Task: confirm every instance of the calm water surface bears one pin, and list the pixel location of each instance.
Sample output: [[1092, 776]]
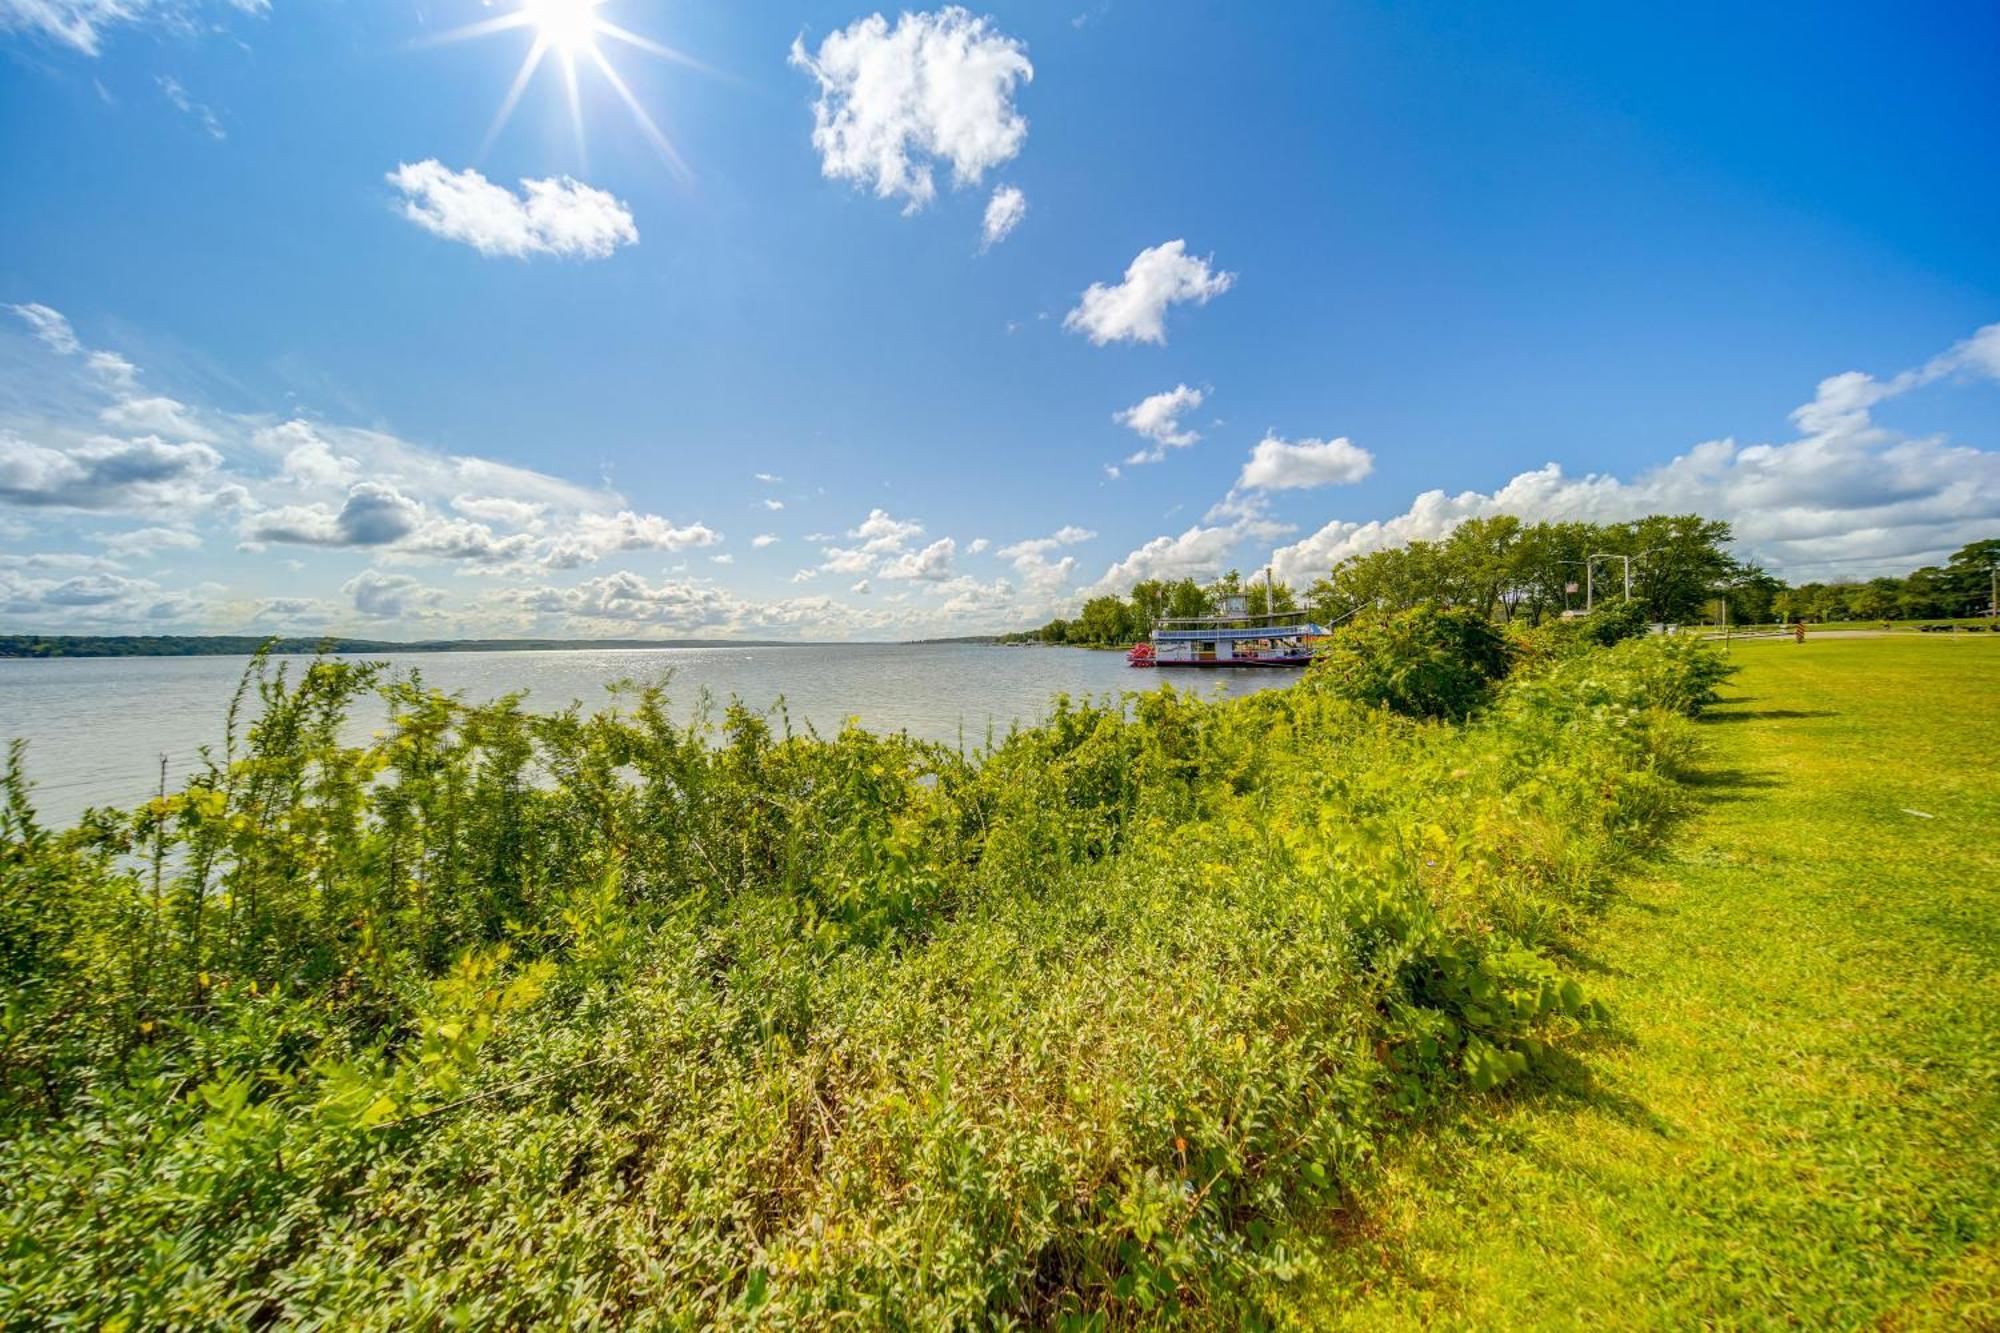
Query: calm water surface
[[96, 727]]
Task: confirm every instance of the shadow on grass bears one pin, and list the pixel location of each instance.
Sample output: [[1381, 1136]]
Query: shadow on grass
[[1765, 715], [1567, 953], [1712, 786]]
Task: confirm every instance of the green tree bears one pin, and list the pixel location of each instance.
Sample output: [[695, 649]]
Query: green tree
[[1678, 562], [1105, 619], [1968, 576]]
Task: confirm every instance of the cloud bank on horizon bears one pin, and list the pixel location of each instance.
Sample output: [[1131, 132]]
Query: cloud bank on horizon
[[137, 495]]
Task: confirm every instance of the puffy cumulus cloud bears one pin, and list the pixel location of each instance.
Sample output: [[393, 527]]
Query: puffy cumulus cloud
[[1279, 465], [977, 546], [591, 537], [880, 538], [305, 458], [373, 514], [895, 102], [1004, 212], [158, 415], [880, 532], [293, 610], [1847, 497], [97, 600], [1157, 417], [763, 539], [81, 24], [104, 473], [932, 564], [150, 541], [1032, 560], [381, 595], [503, 509], [626, 598], [114, 370], [556, 216], [299, 482], [1135, 309], [1198, 553]]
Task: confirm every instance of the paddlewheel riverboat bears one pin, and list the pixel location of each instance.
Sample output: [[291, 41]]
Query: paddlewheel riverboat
[[1233, 639]]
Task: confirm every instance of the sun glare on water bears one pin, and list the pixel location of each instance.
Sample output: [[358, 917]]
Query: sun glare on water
[[574, 31]]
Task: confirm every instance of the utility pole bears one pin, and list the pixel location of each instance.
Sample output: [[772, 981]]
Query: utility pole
[[1613, 555], [1607, 555]]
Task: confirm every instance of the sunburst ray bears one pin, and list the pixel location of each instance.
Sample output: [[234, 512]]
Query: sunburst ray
[[573, 28]]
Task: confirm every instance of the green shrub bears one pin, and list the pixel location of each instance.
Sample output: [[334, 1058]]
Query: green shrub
[[1430, 662], [504, 1019]]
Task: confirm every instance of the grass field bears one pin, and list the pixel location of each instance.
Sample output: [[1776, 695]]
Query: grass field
[[1797, 1122]]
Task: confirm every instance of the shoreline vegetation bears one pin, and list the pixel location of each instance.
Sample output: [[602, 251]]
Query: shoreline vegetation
[[1528, 573], [520, 1019]]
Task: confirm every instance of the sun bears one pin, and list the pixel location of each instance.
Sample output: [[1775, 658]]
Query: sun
[[573, 30], [569, 26]]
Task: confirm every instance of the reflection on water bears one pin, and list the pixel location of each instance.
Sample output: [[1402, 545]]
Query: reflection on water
[[96, 727]]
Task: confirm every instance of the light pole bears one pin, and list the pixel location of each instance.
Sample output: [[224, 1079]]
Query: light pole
[[1613, 555]]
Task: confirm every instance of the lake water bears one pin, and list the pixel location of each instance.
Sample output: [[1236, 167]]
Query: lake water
[[96, 727]]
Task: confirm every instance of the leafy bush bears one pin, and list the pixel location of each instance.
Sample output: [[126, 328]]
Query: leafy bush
[[1613, 622], [507, 1019], [1432, 662]]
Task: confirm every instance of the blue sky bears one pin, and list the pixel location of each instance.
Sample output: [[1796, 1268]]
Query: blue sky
[[1334, 276]]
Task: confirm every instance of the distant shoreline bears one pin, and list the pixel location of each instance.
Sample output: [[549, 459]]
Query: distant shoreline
[[46, 646]]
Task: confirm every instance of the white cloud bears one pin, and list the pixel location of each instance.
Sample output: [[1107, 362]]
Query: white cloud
[[768, 478], [1136, 308], [1031, 561], [150, 541], [623, 597], [104, 473], [1846, 498], [49, 325], [895, 102], [502, 509], [763, 539], [114, 370], [724, 559], [306, 458], [1198, 553], [592, 536], [200, 113], [373, 514], [774, 505], [556, 216], [1278, 465], [879, 532], [862, 588], [383, 596], [977, 546], [81, 24], [159, 415], [932, 564], [1157, 418], [1004, 212]]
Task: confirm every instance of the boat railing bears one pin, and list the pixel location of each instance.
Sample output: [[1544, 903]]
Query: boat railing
[[1201, 622]]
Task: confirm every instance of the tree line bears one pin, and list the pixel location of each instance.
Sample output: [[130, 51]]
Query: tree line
[[1680, 571]]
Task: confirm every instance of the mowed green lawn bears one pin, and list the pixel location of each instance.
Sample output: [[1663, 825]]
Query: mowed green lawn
[[1797, 1121]]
